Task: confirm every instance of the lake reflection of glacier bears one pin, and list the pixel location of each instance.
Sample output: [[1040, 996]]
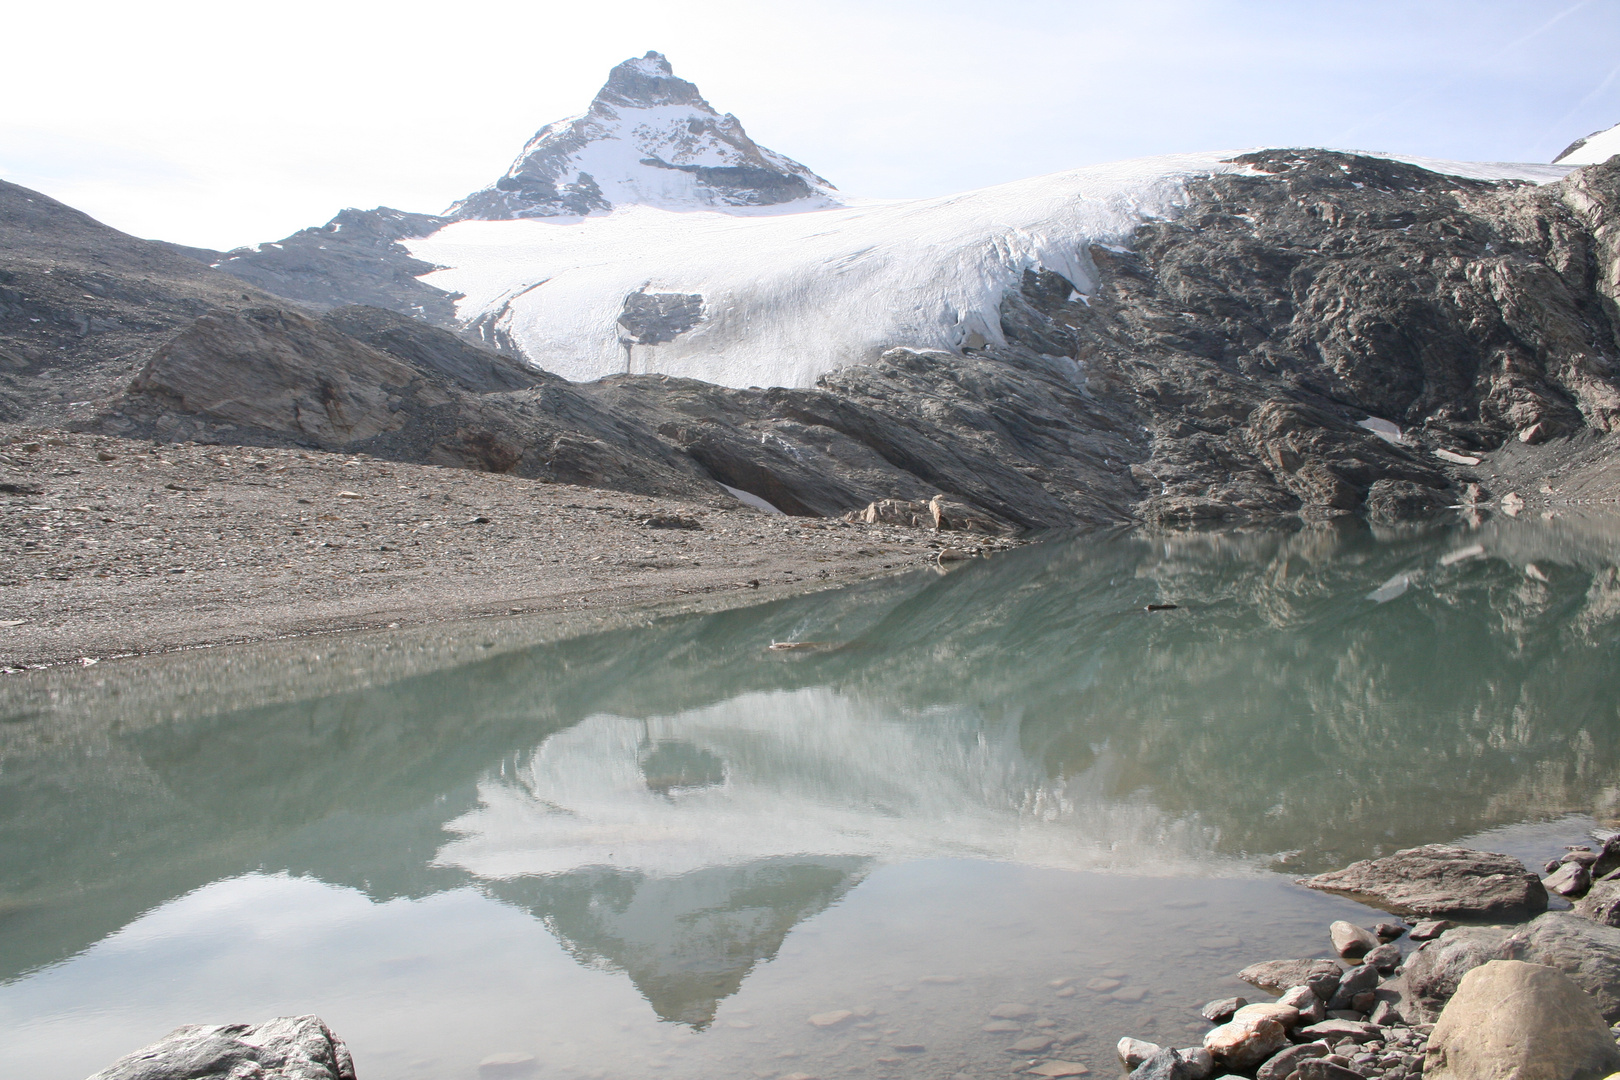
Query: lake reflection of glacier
[[811, 772]]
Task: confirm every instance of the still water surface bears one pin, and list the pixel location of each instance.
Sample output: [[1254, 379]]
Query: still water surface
[[659, 850]]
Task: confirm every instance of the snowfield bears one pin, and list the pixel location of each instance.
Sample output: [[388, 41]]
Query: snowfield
[[1598, 147], [788, 297]]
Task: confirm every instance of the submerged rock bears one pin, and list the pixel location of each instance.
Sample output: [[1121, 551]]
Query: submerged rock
[[1438, 879], [286, 1048], [1516, 1021]]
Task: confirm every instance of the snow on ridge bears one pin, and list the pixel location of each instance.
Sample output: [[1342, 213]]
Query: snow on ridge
[[784, 298], [787, 298], [1595, 149]]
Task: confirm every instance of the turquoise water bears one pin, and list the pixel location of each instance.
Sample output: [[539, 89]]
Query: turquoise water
[[664, 847]]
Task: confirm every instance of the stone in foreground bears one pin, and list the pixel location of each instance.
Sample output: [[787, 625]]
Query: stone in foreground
[[1434, 971], [1438, 879], [1243, 1044], [1515, 1021], [286, 1048]]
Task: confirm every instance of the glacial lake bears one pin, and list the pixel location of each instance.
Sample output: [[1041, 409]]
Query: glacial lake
[[660, 849]]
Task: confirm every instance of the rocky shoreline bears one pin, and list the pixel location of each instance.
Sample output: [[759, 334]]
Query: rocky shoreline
[[1476, 998]]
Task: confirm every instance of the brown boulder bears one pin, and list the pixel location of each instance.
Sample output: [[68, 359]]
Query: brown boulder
[[1515, 1021], [1438, 879]]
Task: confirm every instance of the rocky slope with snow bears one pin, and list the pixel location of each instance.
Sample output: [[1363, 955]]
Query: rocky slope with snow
[[1595, 149], [648, 138]]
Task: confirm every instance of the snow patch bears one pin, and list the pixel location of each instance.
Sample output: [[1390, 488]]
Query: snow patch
[[748, 498], [1595, 149]]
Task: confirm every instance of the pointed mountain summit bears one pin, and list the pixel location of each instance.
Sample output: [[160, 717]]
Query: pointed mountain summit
[[648, 138], [1595, 149]]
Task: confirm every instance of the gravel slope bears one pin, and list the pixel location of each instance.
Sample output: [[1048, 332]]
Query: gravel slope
[[112, 547]]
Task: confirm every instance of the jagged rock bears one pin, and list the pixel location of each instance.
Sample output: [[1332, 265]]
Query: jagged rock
[[1351, 941], [1517, 1021], [894, 512], [1587, 952], [1241, 1045], [1356, 981], [1435, 970], [1311, 1008], [1280, 975], [1602, 903], [1324, 984], [286, 1048], [1438, 879]]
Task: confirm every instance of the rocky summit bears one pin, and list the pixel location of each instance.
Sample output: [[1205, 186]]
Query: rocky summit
[[648, 137]]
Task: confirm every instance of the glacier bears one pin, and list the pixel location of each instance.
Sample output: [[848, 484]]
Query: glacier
[[759, 298]]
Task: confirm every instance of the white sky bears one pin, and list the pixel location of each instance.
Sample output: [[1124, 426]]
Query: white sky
[[219, 123]]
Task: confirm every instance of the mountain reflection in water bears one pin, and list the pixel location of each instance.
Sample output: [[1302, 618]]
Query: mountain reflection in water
[[671, 800]]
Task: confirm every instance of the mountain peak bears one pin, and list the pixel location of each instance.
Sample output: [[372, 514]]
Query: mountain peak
[[648, 138]]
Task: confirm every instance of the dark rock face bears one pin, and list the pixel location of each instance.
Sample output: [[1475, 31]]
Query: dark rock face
[[1285, 305], [286, 1048], [1440, 880], [355, 258], [654, 318]]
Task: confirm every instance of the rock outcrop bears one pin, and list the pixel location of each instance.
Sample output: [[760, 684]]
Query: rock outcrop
[[1434, 971], [1518, 1021], [1438, 879], [286, 1048]]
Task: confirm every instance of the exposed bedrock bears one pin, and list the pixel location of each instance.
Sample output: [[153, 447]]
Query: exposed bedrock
[[1307, 338]]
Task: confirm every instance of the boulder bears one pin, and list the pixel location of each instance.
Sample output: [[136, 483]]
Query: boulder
[[1428, 929], [1434, 971], [1608, 858], [1167, 1064], [1587, 952], [1282, 1065], [1324, 984], [1311, 1008], [1280, 975], [1571, 880], [286, 1048], [1350, 940], [1602, 903], [1132, 1052], [1243, 1044], [1286, 1015], [1385, 958], [1516, 1021], [1438, 879], [1356, 981], [1220, 1010], [1200, 1062]]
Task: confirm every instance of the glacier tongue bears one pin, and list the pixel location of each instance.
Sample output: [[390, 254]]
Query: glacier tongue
[[781, 299]]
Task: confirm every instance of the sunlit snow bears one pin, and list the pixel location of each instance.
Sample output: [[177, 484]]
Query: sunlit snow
[[790, 297], [1597, 148]]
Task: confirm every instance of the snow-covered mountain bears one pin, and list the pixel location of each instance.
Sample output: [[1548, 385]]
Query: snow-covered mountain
[[649, 138], [780, 300], [1596, 148]]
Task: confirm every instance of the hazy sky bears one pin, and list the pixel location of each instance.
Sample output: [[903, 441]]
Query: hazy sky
[[221, 123]]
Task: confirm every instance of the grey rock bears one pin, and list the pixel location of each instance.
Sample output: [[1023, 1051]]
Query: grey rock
[[1608, 858], [1351, 941], [1389, 931], [1280, 975], [1439, 879], [1335, 1031], [1132, 1052], [1435, 970], [1385, 1014], [286, 1048], [1200, 1062], [1602, 903], [1281, 1066], [1385, 958], [1427, 929], [1570, 880], [1512, 1019], [1356, 981], [1324, 984], [1165, 1064], [1220, 1010], [1585, 951]]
